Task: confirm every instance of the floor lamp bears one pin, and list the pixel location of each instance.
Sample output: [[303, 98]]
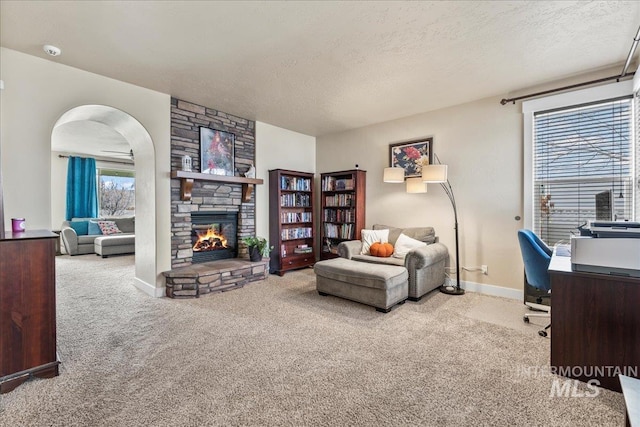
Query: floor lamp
[[437, 174], [434, 174]]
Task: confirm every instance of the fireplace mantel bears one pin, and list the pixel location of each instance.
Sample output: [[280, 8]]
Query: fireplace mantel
[[187, 178]]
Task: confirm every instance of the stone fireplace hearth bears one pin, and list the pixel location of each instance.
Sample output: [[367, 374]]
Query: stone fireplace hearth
[[214, 276]]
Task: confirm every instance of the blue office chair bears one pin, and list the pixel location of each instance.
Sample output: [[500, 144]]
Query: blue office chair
[[536, 256]]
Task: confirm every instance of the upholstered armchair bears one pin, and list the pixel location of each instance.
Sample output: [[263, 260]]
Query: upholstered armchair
[[425, 264]]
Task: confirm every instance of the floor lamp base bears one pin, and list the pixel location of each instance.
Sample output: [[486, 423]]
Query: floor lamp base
[[451, 290]]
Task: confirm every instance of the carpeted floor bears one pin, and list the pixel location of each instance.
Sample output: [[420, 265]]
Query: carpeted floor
[[277, 353]]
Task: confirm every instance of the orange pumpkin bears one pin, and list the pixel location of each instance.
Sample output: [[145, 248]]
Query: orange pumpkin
[[381, 249]]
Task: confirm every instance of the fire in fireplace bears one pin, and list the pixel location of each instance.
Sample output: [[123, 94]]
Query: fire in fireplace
[[214, 235], [211, 239]]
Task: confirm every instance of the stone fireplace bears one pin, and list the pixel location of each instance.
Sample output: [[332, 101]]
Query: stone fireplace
[[194, 271], [208, 196]]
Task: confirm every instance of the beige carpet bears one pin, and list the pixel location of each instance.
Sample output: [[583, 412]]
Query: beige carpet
[[277, 353]]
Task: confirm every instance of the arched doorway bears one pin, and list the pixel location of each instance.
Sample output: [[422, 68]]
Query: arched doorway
[[122, 130]]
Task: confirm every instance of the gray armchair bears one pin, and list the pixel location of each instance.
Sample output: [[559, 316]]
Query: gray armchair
[[74, 243], [425, 265]]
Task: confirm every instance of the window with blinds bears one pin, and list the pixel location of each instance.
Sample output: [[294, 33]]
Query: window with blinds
[[582, 167]]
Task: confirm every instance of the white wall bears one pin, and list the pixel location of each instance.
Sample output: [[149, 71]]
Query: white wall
[[278, 148], [37, 92], [58, 190], [482, 144]]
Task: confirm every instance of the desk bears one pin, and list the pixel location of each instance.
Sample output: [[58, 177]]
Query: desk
[[595, 322]]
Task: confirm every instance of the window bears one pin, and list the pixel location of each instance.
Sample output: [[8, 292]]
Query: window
[[116, 192], [582, 167]]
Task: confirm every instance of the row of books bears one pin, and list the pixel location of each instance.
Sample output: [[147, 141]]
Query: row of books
[[295, 199], [295, 183], [339, 215], [339, 200], [290, 217], [300, 249], [297, 233], [339, 231], [330, 183]]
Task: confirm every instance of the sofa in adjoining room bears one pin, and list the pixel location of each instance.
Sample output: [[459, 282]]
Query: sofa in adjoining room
[[416, 267], [102, 236]]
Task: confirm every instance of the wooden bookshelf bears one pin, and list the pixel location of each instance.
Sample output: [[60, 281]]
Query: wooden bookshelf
[[292, 226], [342, 216]]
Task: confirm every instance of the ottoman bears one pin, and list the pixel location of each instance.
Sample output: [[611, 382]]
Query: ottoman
[[379, 285], [114, 245]]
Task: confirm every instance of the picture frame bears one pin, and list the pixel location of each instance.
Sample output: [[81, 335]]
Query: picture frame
[[411, 156], [217, 152]]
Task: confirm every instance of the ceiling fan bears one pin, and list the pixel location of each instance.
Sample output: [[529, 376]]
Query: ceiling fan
[[128, 154]]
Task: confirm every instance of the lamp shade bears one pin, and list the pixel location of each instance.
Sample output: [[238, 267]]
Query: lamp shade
[[434, 173], [415, 185], [394, 175]]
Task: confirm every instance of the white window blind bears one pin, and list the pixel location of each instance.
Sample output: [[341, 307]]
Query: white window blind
[[583, 167], [636, 120]]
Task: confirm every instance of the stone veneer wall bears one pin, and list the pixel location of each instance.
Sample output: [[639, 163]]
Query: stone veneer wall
[[186, 120]]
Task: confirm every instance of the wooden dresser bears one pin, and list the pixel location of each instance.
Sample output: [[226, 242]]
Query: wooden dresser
[[27, 307]]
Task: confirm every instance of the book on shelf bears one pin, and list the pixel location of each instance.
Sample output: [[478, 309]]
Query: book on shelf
[[292, 217], [339, 231], [295, 200], [339, 200], [331, 183], [294, 183], [339, 215], [302, 250], [297, 233]]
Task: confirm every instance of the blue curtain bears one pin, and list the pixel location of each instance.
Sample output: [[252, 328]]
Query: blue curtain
[[82, 192]]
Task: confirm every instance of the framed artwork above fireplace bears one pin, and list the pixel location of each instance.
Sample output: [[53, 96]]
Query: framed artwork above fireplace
[[216, 152]]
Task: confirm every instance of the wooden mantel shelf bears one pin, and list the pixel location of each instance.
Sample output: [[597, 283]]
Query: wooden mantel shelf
[[187, 178]]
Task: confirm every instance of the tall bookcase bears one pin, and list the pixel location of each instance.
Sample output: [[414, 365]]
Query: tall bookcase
[[343, 209], [291, 220]]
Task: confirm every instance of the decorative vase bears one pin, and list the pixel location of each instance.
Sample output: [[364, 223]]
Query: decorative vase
[[254, 254], [186, 163], [251, 173]]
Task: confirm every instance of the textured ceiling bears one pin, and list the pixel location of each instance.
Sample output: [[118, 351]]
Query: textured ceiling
[[323, 67]]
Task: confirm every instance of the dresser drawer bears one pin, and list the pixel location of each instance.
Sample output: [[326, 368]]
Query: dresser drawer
[[298, 262]]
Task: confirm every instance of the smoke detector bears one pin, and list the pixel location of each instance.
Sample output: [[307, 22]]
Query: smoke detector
[[52, 50]]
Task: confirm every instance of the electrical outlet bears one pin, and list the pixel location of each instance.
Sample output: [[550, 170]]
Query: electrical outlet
[[485, 269]]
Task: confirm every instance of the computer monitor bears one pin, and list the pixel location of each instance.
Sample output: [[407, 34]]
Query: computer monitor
[[604, 206]]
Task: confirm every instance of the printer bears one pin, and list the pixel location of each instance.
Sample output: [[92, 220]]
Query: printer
[[612, 248]]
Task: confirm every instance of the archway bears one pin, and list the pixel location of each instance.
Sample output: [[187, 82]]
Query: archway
[[123, 126]]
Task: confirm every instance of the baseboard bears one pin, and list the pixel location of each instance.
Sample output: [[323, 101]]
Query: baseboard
[[493, 290], [149, 289]]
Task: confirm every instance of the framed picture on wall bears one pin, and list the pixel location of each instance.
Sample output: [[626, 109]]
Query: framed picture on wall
[[411, 156], [216, 152]]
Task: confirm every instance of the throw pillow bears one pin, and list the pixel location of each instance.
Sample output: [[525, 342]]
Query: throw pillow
[[383, 250], [94, 228], [108, 227], [371, 236], [81, 227], [404, 244]]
